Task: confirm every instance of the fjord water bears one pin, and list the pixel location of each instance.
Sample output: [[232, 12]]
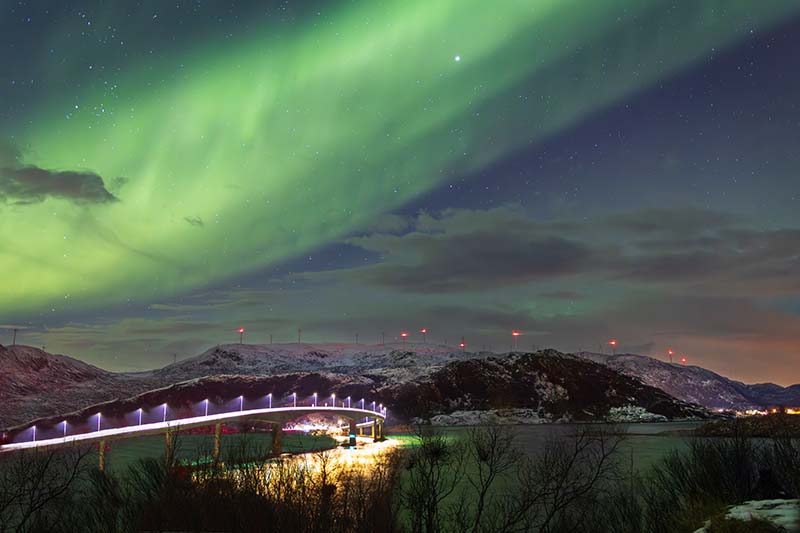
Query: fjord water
[[644, 443]]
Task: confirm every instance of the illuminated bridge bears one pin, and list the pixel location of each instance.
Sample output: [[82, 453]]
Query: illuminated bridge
[[360, 419]]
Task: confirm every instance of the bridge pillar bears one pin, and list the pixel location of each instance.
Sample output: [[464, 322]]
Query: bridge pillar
[[101, 456], [372, 430], [353, 426], [168, 446], [377, 430], [217, 438], [277, 438]]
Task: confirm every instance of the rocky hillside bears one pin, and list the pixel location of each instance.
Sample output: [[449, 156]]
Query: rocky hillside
[[698, 385], [549, 385]]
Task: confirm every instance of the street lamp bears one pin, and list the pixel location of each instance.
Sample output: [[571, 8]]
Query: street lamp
[[333, 399], [403, 336], [683, 360], [515, 335], [270, 400], [165, 413], [140, 416], [241, 403], [294, 399], [373, 406], [241, 335], [206, 410], [314, 396], [424, 332], [362, 403], [65, 427], [348, 402], [33, 430], [99, 416], [670, 353]]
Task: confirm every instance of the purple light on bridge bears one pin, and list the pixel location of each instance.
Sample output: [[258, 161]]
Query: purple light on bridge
[[65, 427], [99, 417], [33, 430], [294, 399], [206, 407], [241, 403], [270, 400], [348, 402], [373, 406], [165, 413], [139, 410], [315, 400], [362, 402]]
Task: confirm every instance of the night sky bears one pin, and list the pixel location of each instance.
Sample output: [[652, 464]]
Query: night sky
[[578, 171]]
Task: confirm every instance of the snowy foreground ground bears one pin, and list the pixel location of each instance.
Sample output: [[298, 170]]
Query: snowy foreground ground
[[782, 513]]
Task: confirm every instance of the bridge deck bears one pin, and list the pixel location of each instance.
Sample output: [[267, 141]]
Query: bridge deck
[[276, 415]]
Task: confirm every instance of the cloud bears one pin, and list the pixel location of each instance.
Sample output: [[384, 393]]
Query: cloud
[[194, 221], [23, 184], [466, 250], [462, 250]]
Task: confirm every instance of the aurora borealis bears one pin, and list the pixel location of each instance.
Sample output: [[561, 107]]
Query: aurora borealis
[[582, 171]]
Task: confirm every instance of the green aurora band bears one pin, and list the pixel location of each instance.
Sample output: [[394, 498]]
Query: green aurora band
[[281, 143]]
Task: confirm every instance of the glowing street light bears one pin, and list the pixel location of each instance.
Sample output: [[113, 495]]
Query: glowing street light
[[270, 399], [294, 399], [140, 415], [65, 427], [683, 360], [241, 335], [165, 412], [314, 396], [206, 407], [424, 332], [241, 403], [99, 417], [362, 403], [333, 399], [670, 353], [403, 336], [373, 406], [462, 345], [33, 431], [348, 402], [515, 335]]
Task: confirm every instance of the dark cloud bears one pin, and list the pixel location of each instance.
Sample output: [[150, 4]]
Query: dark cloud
[[676, 221], [468, 250], [195, 221], [28, 184], [461, 250]]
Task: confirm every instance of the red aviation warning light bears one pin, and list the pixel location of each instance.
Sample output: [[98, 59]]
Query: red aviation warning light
[[683, 360], [403, 336]]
